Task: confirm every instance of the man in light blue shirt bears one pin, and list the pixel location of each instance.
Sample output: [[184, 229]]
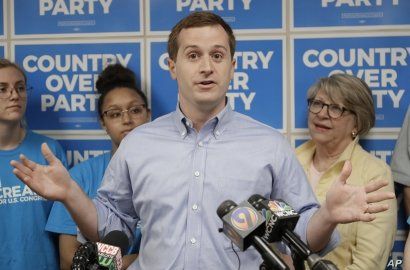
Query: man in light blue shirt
[[173, 173]]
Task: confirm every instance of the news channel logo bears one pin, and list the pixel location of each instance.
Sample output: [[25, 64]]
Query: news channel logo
[[244, 218], [278, 206]]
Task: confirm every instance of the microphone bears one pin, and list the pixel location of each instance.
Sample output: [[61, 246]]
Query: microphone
[[111, 249], [244, 225], [104, 255], [85, 255], [281, 220]]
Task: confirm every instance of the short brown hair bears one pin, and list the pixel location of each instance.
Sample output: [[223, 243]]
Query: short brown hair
[[353, 93], [198, 19], [4, 63]]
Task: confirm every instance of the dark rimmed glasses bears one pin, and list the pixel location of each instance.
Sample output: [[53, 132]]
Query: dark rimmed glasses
[[333, 110]]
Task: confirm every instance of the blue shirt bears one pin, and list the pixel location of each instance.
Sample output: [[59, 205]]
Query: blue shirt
[[173, 179], [88, 175], [24, 244]]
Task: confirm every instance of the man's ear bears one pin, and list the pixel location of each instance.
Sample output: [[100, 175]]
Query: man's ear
[[172, 68], [233, 68]]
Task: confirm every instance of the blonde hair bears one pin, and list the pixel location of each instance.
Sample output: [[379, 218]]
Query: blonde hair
[[353, 93], [4, 63]]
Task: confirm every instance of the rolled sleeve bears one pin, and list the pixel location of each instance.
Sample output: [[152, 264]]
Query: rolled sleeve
[[302, 226], [113, 202]]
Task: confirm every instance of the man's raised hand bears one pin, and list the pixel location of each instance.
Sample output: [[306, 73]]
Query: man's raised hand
[[49, 181]]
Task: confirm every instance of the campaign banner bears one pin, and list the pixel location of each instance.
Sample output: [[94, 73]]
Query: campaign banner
[[161, 87], [163, 15], [380, 61], [255, 90], [350, 13], [79, 150], [379, 147], [2, 19], [79, 17], [63, 75]]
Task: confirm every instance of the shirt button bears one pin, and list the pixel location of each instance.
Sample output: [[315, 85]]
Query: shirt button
[[195, 207], [217, 133], [183, 134], [201, 144], [193, 240], [196, 174]]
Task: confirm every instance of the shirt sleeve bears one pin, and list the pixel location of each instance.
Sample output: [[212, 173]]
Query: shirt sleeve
[[375, 239], [60, 221], [114, 203], [400, 163]]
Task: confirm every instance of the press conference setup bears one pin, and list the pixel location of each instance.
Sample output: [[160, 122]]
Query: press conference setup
[[204, 134]]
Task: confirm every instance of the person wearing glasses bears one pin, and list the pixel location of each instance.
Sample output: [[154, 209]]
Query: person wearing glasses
[[122, 107], [340, 110], [173, 173], [24, 243]]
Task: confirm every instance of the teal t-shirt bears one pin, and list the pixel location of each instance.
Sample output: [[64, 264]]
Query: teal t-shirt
[[24, 244]]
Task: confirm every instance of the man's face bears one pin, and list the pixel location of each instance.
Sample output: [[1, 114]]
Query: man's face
[[203, 69]]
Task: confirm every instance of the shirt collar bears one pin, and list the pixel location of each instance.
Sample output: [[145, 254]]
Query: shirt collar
[[219, 122]]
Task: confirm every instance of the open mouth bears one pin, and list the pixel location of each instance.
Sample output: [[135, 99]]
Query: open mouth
[[206, 83], [322, 127]]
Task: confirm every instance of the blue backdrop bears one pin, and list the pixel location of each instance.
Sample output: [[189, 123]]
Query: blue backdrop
[[283, 47]]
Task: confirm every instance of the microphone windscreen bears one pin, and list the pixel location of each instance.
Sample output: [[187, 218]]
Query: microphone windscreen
[[117, 239], [225, 207]]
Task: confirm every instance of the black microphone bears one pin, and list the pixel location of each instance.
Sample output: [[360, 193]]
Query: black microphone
[[111, 249], [104, 255], [244, 225], [281, 220], [84, 256]]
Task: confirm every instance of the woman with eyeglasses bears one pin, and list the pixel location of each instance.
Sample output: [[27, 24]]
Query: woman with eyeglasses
[[340, 110], [121, 108], [23, 214]]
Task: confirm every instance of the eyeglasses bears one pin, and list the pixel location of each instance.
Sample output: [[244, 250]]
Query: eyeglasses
[[134, 112], [6, 90], [333, 110]]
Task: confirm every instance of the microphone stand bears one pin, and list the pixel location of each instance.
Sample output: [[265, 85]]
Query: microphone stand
[[271, 260], [301, 252]]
